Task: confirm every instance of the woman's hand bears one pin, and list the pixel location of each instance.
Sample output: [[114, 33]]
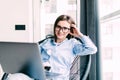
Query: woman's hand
[[74, 31]]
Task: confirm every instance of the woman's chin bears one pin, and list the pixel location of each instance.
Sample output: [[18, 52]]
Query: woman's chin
[[60, 37]]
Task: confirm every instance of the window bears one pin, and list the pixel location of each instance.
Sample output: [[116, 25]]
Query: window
[[110, 41], [51, 9]]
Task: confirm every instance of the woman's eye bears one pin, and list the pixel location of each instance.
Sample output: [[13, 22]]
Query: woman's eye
[[65, 28]]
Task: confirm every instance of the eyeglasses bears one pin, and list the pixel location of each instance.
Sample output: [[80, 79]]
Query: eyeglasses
[[64, 29]]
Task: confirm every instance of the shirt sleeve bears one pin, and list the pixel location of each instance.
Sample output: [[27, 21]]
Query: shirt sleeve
[[84, 46]]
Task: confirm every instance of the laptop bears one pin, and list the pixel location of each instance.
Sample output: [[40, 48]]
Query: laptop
[[20, 57]]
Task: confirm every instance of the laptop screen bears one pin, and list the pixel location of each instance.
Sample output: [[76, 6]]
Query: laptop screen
[[20, 57]]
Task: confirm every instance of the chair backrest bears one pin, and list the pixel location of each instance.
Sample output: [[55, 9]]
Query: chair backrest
[[81, 70], [85, 66]]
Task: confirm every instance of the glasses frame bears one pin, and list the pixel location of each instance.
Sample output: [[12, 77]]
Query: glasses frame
[[64, 29]]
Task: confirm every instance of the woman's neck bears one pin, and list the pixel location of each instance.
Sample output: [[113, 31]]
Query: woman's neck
[[59, 40]]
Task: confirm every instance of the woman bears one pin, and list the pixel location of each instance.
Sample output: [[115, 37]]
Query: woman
[[61, 50]]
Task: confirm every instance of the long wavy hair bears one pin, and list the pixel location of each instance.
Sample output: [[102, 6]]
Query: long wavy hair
[[64, 18]]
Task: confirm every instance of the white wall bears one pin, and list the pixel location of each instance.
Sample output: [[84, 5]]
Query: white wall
[[19, 12]]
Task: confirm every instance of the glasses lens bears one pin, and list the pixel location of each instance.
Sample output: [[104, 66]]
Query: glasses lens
[[58, 27], [65, 29]]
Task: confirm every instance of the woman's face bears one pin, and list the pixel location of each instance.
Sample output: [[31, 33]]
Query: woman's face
[[62, 29]]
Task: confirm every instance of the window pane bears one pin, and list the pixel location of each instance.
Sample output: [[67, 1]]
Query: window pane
[[50, 6]]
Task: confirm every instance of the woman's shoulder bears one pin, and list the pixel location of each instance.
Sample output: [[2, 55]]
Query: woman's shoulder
[[45, 41], [73, 39]]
